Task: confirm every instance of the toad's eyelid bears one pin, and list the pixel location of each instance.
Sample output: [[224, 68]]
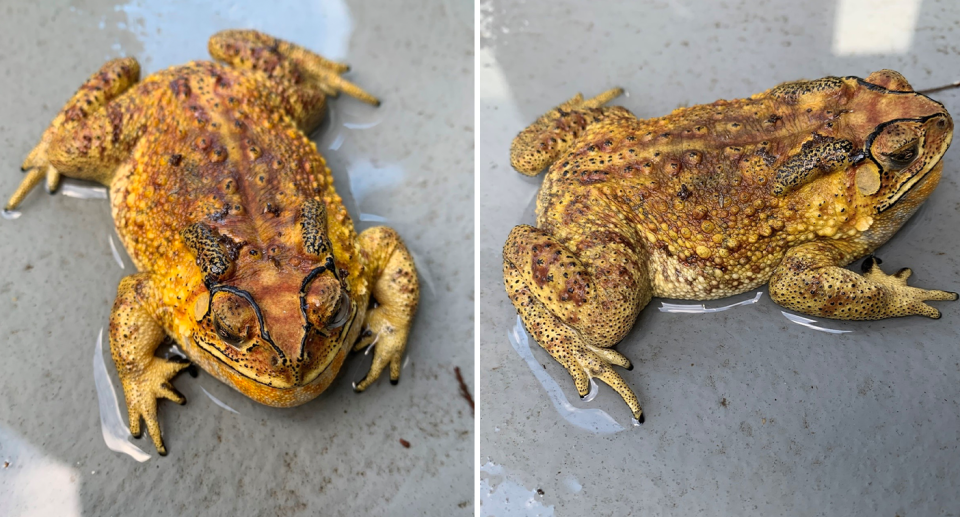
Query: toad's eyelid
[[228, 336], [909, 146], [905, 155]]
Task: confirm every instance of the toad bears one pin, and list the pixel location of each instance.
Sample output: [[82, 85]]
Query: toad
[[247, 258], [782, 188]]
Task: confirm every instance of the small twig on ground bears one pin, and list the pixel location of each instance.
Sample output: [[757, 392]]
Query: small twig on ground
[[940, 88], [464, 390]]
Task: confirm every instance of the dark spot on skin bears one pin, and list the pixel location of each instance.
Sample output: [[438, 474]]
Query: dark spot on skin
[[115, 115], [180, 87], [543, 260], [767, 158], [175, 159], [684, 192], [591, 177]]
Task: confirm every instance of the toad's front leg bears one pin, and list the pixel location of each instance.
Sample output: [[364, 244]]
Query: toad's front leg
[[810, 281], [397, 293], [135, 334]]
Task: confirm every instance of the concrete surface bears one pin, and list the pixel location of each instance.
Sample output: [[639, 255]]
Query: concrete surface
[[746, 412], [409, 162]]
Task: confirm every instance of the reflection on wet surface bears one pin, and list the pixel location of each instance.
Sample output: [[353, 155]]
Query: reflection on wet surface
[[33, 482], [115, 252], [809, 323], [10, 215], [501, 496], [595, 420], [365, 179], [323, 27], [218, 401], [699, 308], [572, 484], [868, 27], [82, 190], [116, 434]]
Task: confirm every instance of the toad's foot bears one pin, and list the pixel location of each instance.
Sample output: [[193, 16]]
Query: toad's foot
[[389, 341], [65, 148], [810, 281], [397, 291], [33, 178], [574, 304], [143, 389], [37, 166], [542, 143], [259, 51], [583, 360], [904, 300]]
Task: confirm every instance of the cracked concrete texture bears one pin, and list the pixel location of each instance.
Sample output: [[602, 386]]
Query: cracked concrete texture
[[409, 162]]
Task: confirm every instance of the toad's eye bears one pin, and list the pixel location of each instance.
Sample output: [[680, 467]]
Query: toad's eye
[[904, 156], [226, 333], [343, 312], [234, 319]]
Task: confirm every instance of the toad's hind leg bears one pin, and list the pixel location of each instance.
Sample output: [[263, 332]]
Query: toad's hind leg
[[544, 141], [312, 76], [810, 281], [90, 136], [135, 334], [578, 305]]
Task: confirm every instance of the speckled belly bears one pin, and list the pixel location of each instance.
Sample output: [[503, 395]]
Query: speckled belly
[[673, 278]]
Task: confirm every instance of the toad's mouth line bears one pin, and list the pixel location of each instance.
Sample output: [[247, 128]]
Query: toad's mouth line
[[305, 381], [917, 181]]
